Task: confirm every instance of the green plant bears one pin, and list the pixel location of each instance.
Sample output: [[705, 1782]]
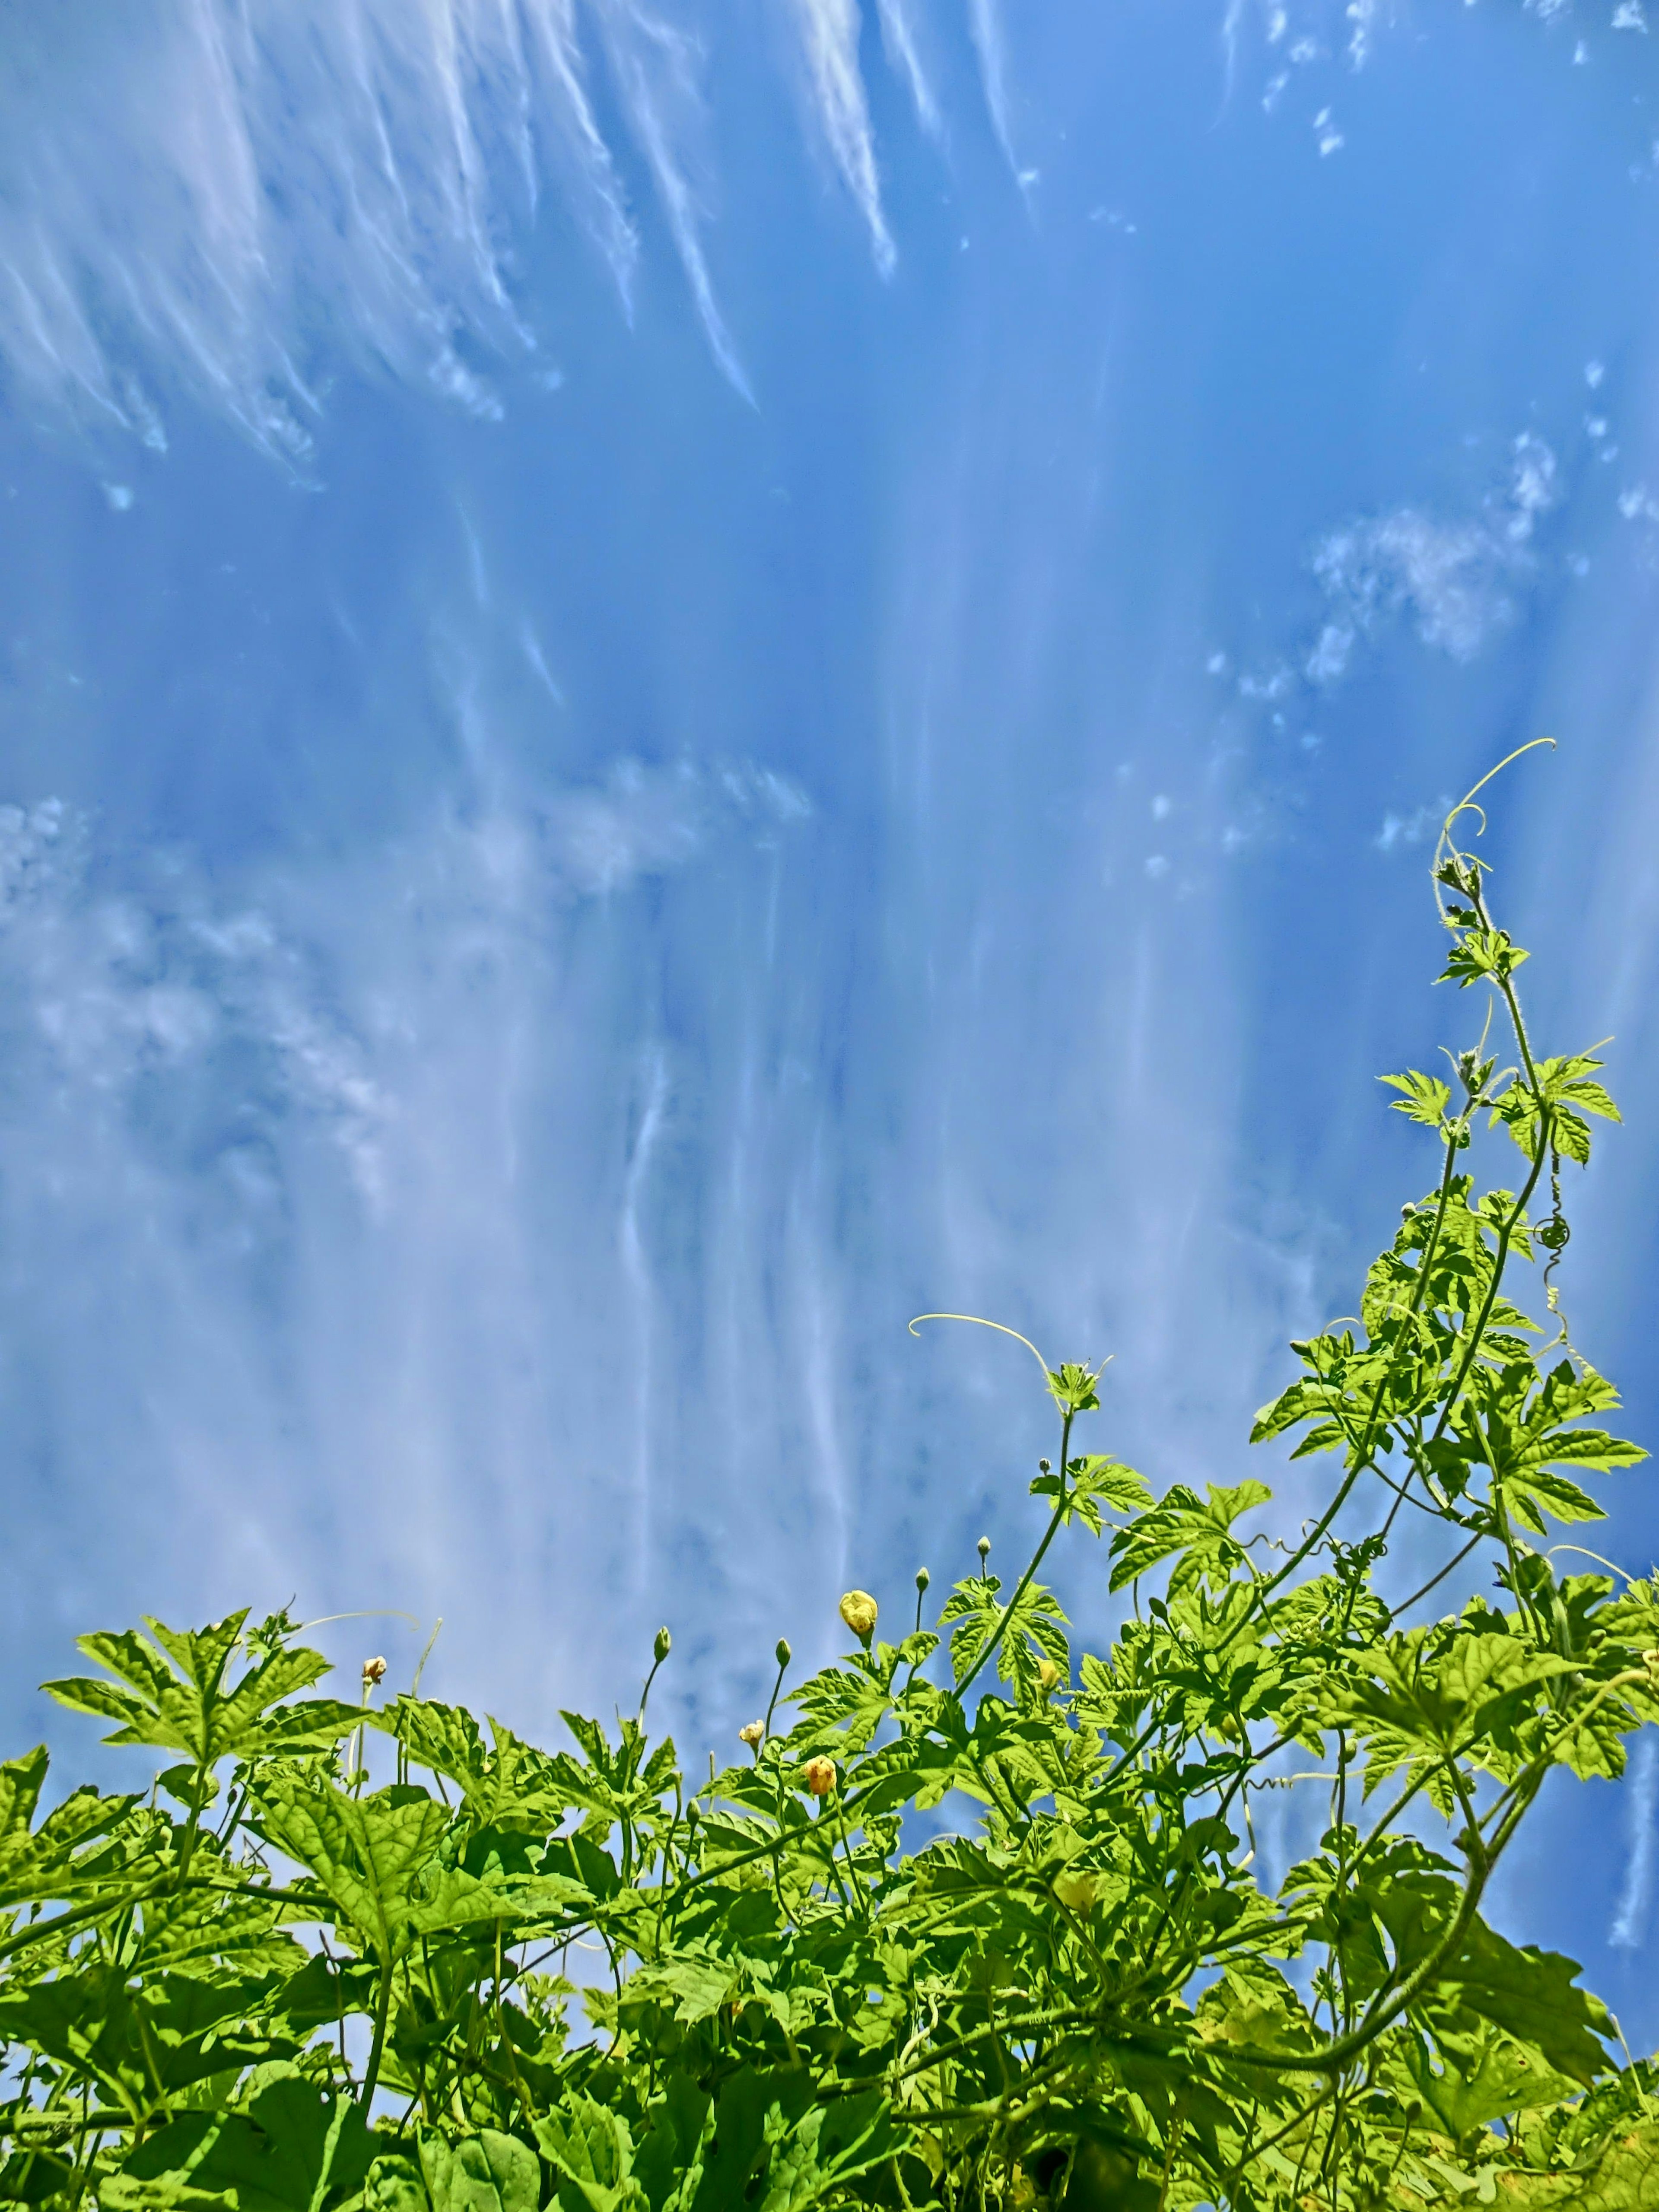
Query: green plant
[[269, 1985]]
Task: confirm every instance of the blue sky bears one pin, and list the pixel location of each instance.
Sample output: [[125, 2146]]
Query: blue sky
[[676, 680]]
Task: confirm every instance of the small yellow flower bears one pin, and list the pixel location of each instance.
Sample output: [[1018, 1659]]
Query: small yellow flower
[[1078, 1891], [374, 1671], [753, 1736], [858, 1610], [820, 1776], [1048, 1677]]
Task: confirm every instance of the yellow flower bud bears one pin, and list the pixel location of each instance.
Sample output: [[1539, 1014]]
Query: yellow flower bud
[[374, 1671], [753, 1735], [1048, 1677], [858, 1610], [820, 1776]]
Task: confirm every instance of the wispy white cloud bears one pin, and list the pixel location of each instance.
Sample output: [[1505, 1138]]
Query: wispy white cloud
[[1441, 575], [113, 990], [217, 201], [985, 20], [829, 40], [1231, 22], [210, 199], [642, 822], [646, 1136], [1450, 579], [1630, 1923], [325, 1168], [1296, 33], [901, 41], [1411, 829], [115, 974], [1349, 34], [1361, 18], [657, 66]]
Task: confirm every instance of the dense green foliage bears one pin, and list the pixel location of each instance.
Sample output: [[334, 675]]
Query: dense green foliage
[[509, 1977]]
